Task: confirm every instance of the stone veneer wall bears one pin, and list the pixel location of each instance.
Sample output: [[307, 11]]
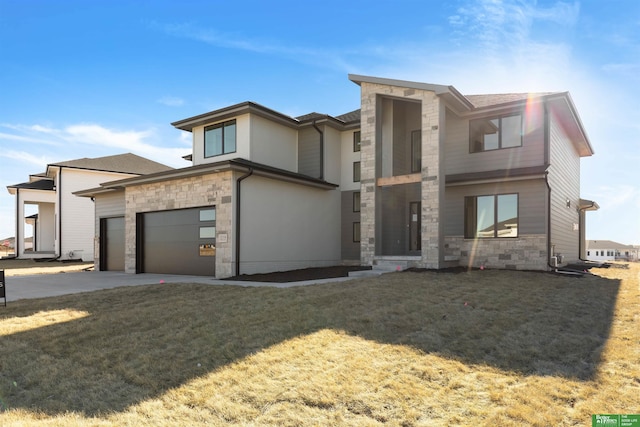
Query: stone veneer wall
[[432, 175], [205, 190], [524, 253]]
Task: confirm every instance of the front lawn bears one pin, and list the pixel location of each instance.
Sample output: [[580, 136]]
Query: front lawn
[[414, 348]]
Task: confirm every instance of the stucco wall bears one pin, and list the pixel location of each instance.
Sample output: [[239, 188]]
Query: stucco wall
[[288, 226]]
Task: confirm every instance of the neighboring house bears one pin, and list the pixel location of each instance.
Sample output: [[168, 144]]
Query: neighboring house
[[63, 225], [419, 176], [606, 250]]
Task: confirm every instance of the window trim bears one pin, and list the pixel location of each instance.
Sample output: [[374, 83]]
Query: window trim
[[356, 206], [221, 125], [500, 128], [472, 223], [356, 144], [355, 230], [416, 161]]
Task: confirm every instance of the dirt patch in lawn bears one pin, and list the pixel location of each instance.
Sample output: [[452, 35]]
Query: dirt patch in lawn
[[300, 275]]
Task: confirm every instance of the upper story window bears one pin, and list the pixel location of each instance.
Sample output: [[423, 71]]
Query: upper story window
[[220, 139], [493, 134], [356, 141], [416, 151]]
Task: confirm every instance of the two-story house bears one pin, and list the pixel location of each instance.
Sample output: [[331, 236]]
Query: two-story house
[[62, 226], [419, 176]]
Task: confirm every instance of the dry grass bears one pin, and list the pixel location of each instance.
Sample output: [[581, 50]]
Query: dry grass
[[19, 267], [478, 348]]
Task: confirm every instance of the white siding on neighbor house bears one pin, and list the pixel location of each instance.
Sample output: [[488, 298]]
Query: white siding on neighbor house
[[272, 144], [459, 159], [564, 179], [347, 158], [78, 219], [30, 196], [243, 148], [46, 227], [287, 226]]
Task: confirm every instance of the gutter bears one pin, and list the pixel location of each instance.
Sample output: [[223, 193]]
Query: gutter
[[59, 190], [238, 229], [321, 149], [16, 245], [581, 210]]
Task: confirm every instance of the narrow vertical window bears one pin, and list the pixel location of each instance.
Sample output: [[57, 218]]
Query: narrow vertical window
[[356, 232], [416, 151], [356, 141], [356, 171], [356, 201]]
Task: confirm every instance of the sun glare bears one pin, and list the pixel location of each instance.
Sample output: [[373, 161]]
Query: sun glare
[[41, 319]]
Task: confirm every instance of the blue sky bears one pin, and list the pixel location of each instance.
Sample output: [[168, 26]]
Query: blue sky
[[96, 78]]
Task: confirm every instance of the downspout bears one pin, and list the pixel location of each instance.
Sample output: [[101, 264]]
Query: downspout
[[59, 190], [546, 180], [321, 149], [581, 212], [16, 244], [238, 199], [547, 162]]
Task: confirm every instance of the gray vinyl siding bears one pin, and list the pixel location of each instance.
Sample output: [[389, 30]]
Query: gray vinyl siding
[[109, 205], [458, 159], [564, 179], [309, 152], [532, 204], [350, 249]]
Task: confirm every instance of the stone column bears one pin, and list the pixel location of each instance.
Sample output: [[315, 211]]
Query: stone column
[[432, 180]]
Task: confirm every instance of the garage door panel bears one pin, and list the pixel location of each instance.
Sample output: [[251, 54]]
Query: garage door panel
[[171, 243]]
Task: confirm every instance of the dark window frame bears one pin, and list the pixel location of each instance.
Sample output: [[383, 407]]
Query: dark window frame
[[356, 203], [356, 171], [416, 151], [356, 232], [356, 141], [479, 147], [223, 126], [471, 216]]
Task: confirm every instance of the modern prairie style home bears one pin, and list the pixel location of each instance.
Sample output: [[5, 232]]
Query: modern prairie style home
[[63, 225], [419, 176]]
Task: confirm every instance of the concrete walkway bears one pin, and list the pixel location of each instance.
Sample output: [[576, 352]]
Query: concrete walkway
[[49, 285]]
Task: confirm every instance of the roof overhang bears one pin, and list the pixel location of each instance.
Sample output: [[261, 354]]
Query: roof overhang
[[562, 106], [234, 111], [534, 172], [449, 93], [588, 205], [240, 165]]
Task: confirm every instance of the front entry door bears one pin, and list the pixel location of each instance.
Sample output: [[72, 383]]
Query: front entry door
[[415, 236]]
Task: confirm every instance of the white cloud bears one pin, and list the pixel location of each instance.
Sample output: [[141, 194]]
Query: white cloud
[[22, 156], [171, 101]]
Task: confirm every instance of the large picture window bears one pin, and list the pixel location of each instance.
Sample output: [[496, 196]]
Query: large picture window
[[494, 216], [220, 139], [493, 134]]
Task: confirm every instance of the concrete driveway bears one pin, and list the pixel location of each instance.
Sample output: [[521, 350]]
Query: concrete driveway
[[50, 285]]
